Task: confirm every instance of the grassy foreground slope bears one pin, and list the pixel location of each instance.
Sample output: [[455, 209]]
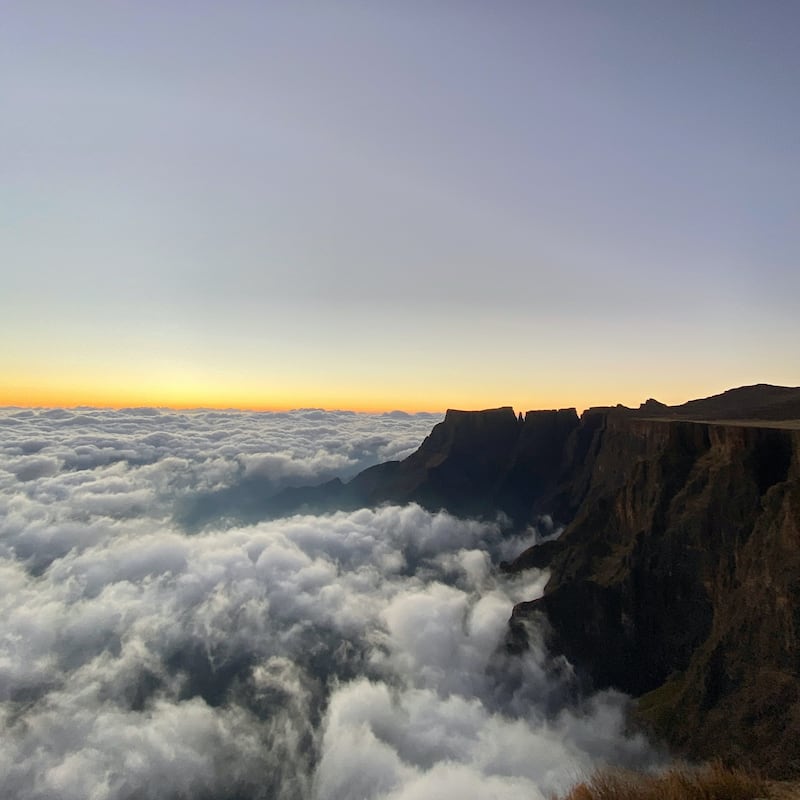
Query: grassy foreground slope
[[712, 782]]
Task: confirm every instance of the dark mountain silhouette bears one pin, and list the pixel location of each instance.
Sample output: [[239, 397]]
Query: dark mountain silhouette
[[761, 402], [677, 578]]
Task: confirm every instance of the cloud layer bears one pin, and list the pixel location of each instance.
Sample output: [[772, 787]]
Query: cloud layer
[[352, 655]]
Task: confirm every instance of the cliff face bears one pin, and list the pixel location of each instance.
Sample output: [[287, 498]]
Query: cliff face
[[679, 580], [461, 464], [473, 463], [478, 463]]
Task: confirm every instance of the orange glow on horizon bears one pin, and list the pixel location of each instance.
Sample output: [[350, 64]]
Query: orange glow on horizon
[[30, 392], [95, 397], [368, 402], [61, 399], [68, 399]]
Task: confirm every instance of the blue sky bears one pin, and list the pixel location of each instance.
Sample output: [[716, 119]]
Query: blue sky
[[397, 205]]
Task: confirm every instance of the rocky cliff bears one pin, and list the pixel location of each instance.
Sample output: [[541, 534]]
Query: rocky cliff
[[473, 463], [678, 580]]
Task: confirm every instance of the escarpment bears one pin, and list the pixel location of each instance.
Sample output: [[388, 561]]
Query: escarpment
[[678, 581], [677, 577], [473, 463]]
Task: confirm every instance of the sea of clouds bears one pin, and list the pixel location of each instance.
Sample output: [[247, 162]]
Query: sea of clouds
[[154, 643]]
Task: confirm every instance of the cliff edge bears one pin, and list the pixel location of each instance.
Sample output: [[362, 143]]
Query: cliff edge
[[678, 581], [473, 463]]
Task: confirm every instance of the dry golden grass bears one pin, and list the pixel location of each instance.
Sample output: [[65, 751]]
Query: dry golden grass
[[712, 782]]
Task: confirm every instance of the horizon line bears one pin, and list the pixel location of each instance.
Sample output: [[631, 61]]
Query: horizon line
[[12, 402], [211, 407]]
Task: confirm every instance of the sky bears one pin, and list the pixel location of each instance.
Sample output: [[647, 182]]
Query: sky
[[397, 205]]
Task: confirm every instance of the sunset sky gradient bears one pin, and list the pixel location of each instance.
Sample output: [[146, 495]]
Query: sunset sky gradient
[[397, 205]]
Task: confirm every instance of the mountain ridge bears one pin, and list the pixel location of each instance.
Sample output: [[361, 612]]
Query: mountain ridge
[[677, 577]]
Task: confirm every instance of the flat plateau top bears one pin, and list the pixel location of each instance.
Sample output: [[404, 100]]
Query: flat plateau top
[[784, 424]]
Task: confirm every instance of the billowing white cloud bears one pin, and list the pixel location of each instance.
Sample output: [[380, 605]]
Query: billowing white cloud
[[351, 655]]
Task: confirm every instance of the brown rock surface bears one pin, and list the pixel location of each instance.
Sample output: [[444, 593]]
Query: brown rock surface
[[679, 579]]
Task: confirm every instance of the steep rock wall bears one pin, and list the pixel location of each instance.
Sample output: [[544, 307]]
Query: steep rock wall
[[476, 463], [679, 579]]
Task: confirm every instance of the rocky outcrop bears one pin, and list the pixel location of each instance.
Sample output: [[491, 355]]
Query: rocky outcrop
[[476, 463], [459, 466], [473, 463], [678, 580]]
